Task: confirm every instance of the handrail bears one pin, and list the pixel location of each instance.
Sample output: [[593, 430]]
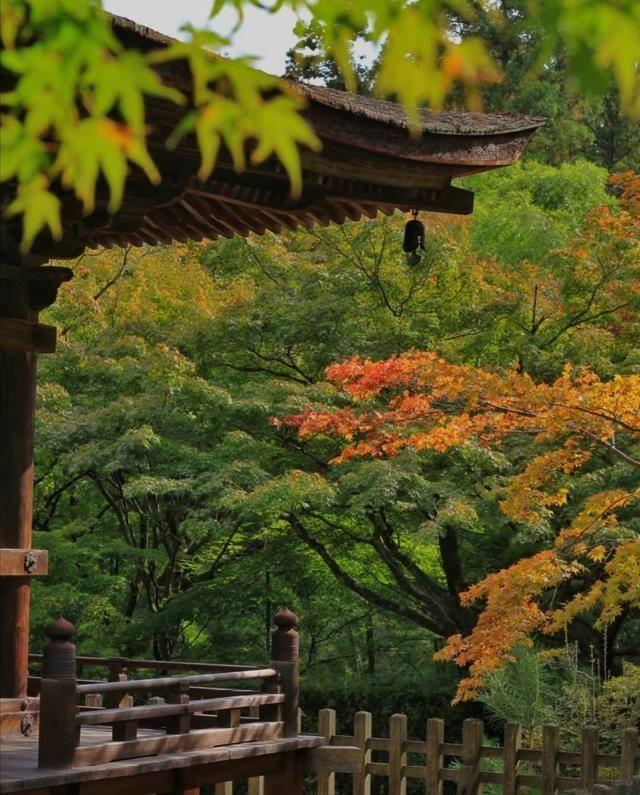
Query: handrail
[[125, 662], [171, 681], [120, 714]]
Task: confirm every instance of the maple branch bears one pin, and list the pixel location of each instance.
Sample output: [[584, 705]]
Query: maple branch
[[366, 593], [615, 450]]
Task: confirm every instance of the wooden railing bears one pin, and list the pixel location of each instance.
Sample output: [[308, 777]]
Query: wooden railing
[[184, 712], [433, 761]]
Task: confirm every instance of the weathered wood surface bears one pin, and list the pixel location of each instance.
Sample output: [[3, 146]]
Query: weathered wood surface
[[17, 418], [160, 683], [24, 335], [164, 710], [23, 562], [19, 771], [462, 763]]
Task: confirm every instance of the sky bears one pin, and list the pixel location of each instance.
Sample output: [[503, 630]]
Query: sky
[[262, 34]]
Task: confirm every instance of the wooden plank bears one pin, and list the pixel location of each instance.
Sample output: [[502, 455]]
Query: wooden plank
[[23, 335], [19, 704], [589, 753], [329, 760], [550, 744], [629, 754], [342, 739], [176, 743], [397, 754], [59, 734], [472, 735], [163, 682], [326, 784], [362, 727], [512, 742], [378, 768], [21, 723], [434, 756], [23, 562]]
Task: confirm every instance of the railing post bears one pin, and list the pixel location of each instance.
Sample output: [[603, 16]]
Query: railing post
[[434, 757], [326, 728], [117, 673], [285, 655], [472, 735], [397, 754], [59, 731], [179, 724]]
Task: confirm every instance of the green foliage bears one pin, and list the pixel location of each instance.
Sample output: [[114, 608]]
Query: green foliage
[[76, 106], [172, 503]]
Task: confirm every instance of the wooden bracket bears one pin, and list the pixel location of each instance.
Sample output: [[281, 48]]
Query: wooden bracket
[[331, 759], [42, 283], [24, 562], [23, 335]]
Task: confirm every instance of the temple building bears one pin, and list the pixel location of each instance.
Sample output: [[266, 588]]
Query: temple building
[[61, 734]]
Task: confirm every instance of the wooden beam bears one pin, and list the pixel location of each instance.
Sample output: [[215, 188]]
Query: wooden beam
[[331, 759], [23, 335], [176, 743], [23, 562]]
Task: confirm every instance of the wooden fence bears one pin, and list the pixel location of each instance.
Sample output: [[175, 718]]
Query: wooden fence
[[432, 761]]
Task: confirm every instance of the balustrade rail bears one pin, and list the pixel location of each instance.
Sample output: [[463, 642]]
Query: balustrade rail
[[181, 712]]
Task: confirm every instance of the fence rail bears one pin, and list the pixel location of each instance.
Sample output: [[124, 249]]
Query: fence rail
[[433, 761]]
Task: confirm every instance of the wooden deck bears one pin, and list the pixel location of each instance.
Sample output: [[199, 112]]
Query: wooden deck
[[181, 772]]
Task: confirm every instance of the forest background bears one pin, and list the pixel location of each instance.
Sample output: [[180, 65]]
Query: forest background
[[179, 514]]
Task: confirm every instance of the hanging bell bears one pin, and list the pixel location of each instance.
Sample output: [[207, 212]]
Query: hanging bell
[[413, 242]]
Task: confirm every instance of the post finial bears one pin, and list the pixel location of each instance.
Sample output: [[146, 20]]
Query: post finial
[[60, 629], [285, 619], [284, 640], [59, 660]]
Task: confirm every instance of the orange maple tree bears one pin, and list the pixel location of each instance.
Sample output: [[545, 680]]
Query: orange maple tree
[[421, 401]]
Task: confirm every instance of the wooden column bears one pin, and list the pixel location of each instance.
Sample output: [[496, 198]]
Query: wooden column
[[17, 407], [25, 290]]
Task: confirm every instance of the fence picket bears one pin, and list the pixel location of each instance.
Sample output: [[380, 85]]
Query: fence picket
[[472, 734], [628, 754], [589, 758], [435, 759], [550, 745], [397, 755], [327, 728], [512, 742], [362, 731]]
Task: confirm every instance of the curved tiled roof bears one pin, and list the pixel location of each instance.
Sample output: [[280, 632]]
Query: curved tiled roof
[[369, 163], [444, 122]]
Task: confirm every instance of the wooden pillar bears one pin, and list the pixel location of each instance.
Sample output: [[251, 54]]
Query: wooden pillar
[[285, 659], [25, 290], [17, 411]]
